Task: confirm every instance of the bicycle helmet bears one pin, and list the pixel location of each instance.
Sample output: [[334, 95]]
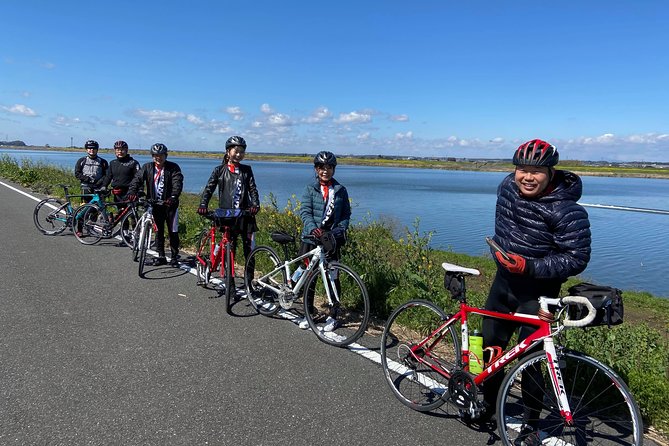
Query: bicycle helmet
[[90, 144], [121, 145], [536, 153], [325, 157], [235, 141], [158, 149]]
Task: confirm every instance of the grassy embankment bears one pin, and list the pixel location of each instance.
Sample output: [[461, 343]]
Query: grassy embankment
[[397, 265]]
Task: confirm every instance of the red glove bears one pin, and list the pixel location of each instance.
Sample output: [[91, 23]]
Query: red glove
[[317, 232], [202, 210], [117, 191], [516, 264], [254, 210], [131, 197]]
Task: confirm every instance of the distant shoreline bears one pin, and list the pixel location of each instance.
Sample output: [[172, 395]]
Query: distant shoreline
[[585, 168]]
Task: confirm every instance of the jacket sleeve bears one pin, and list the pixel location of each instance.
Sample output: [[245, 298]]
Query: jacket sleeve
[[572, 239], [209, 188], [79, 171], [136, 185], [177, 182], [254, 196], [105, 178], [346, 210], [307, 212]]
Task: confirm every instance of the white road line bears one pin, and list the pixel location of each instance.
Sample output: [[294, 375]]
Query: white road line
[[20, 191]]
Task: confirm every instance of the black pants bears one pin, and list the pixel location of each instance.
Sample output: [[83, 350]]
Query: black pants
[[515, 294], [166, 215]]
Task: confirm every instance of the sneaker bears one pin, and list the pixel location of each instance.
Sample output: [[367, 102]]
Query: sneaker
[[331, 324], [174, 261], [528, 437], [303, 323]]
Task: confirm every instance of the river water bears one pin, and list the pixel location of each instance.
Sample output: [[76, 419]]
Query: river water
[[629, 249]]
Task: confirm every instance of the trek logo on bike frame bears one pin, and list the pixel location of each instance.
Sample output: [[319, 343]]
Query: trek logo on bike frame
[[522, 345]]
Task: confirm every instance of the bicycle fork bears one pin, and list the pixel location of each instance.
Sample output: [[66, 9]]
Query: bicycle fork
[[556, 380]]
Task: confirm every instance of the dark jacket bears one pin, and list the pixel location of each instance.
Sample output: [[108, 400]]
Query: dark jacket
[[121, 172], [551, 231], [92, 172], [226, 182], [313, 206], [173, 178]]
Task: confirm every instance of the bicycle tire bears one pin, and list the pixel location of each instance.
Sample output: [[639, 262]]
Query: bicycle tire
[[93, 221], [262, 260], [603, 409], [145, 240], [51, 216], [127, 226], [136, 233], [229, 279], [350, 313], [416, 384], [203, 270]]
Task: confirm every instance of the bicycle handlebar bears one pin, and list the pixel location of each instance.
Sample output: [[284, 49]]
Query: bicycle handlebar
[[226, 213], [569, 300]]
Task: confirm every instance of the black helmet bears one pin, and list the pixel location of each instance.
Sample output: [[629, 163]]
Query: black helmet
[[90, 144], [536, 153], [325, 157], [158, 149], [235, 141], [121, 145]]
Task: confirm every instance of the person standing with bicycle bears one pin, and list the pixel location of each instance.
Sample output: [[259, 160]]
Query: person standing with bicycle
[[91, 171], [122, 171], [325, 208], [163, 181], [544, 238], [236, 190]]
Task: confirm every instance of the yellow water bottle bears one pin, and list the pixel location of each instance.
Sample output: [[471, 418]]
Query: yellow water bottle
[[475, 353]]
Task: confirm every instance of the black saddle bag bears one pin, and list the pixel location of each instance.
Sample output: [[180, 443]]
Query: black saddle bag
[[608, 302]]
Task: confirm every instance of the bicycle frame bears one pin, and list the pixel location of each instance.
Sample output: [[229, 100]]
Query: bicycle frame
[[216, 258], [543, 332]]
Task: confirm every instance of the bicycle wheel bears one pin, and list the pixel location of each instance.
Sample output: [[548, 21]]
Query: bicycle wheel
[[144, 241], [229, 279], [128, 225], [260, 272], [51, 217], [136, 234], [343, 320], [603, 410], [419, 376], [90, 223], [202, 260]]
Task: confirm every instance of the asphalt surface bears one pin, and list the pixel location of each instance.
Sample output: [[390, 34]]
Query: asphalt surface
[[92, 354]]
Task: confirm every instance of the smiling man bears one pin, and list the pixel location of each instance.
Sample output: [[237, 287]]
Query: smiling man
[[545, 236]]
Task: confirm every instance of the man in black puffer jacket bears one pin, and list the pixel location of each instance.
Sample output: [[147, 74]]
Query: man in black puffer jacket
[[546, 235]]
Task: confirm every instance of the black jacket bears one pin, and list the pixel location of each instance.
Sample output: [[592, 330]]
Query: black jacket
[[173, 179], [551, 231], [92, 172], [121, 172], [225, 180]]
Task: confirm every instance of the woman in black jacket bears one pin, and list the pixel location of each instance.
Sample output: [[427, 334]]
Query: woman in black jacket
[[236, 190], [546, 236]]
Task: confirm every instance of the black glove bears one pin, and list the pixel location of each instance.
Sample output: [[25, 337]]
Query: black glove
[[202, 210], [253, 210], [169, 202]]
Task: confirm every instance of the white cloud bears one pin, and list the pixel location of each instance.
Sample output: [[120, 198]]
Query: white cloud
[[280, 120], [64, 121], [20, 109], [404, 136], [235, 112], [399, 118], [353, 117], [196, 120], [48, 65], [319, 115], [266, 109]]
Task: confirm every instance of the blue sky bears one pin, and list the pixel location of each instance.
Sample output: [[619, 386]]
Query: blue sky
[[422, 78]]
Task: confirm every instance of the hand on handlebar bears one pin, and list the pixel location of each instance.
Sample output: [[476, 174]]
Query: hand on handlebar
[[318, 232], [132, 197], [253, 210], [202, 210]]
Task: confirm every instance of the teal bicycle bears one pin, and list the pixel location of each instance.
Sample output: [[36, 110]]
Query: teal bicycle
[[52, 216]]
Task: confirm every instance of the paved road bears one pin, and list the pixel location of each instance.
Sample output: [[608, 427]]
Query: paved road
[[92, 354]]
